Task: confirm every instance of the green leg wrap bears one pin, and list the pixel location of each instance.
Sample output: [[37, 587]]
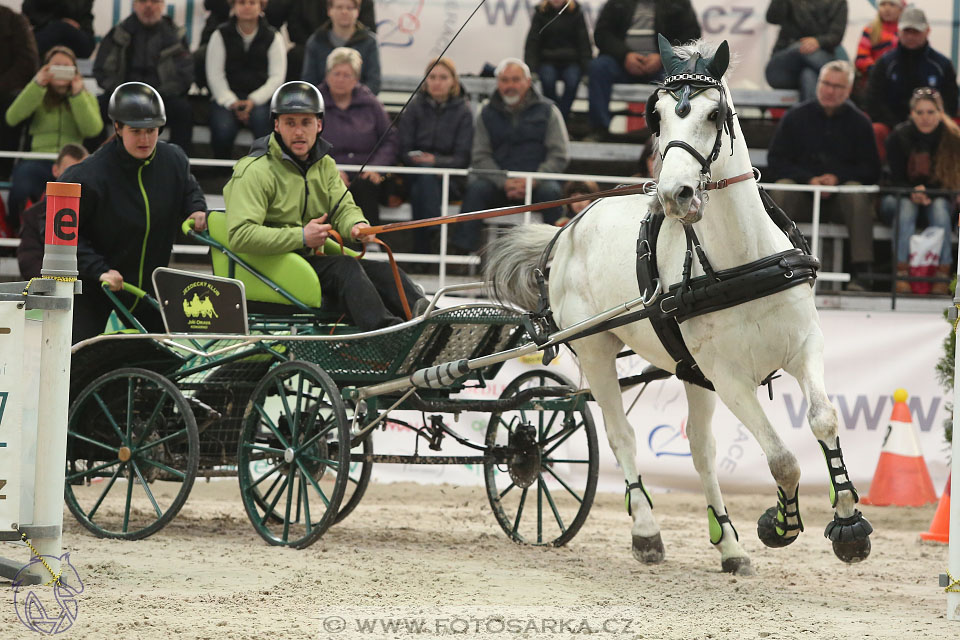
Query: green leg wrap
[[636, 485], [839, 479], [716, 525]]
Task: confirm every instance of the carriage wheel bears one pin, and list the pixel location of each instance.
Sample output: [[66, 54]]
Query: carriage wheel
[[543, 494], [291, 470], [132, 454], [359, 475]]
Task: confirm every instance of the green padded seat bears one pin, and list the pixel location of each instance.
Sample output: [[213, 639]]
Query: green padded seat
[[289, 270]]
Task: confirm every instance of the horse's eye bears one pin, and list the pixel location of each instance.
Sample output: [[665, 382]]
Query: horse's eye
[[714, 115]]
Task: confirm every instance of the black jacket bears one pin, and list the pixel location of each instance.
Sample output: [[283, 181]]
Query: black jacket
[[445, 130], [898, 72], [675, 20], [122, 229], [825, 20], [130, 52], [303, 17], [42, 12], [33, 223], [843, 145], [906, 143], [564, 42], [18, 52]]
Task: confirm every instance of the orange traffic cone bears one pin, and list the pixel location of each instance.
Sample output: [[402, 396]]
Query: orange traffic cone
[[901, 477], [940, 527]]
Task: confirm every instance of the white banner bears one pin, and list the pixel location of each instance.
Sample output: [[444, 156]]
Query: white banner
[[11, 440], [868, 356], [411, 32]]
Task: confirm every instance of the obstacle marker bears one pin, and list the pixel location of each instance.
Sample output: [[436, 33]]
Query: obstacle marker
[[901, 477], [940, 526]]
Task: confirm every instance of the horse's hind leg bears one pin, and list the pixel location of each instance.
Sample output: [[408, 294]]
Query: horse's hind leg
[[849, 531], [597, 356], [703, 447]]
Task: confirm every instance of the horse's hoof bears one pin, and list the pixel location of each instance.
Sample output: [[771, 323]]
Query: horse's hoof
[[856, 527], [738, 566], [648, 550], [767, 530], [852, 552]]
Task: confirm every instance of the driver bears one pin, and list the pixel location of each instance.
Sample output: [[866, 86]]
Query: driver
[[284, 197], [135, 193]]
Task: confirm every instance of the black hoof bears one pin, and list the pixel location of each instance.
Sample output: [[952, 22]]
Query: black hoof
[[856, 527], [648, 550], [738, 566], [852, 552], [767, 530]]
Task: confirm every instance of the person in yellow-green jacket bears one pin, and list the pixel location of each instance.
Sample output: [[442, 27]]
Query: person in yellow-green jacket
[[286, 195], [63, 113]]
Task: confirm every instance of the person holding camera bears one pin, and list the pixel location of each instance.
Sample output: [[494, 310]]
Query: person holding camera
[[62, 112]]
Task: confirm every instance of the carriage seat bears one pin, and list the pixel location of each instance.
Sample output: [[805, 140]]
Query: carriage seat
[[288, 270]]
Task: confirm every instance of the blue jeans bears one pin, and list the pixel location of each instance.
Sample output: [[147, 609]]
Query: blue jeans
[[605, 71], [483, 194], [28, 182], [570, 74], [224, 127], [938, 213], [790, 69]]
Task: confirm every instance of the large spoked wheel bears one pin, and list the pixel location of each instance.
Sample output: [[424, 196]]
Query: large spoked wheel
[[132, 454], [359, 475], [292, 471], [542, 492]]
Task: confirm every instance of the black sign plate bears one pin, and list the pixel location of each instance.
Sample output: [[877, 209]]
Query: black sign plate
[[200, 303]]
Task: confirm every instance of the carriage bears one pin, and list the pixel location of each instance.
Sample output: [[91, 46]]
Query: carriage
[[287, 399]]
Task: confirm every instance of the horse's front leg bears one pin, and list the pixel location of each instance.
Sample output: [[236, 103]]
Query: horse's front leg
[[597, 357], [849, 531], [703, 447]]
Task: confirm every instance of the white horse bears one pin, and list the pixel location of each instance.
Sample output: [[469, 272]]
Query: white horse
[[594, 269]]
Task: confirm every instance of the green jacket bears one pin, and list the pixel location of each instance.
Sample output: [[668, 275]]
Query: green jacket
[[269, 198], [53, 127]]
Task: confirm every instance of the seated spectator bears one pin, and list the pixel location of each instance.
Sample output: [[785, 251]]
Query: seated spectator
[[343, 30], [810, 35], [246, 63], [18, 63], [68, 23], [353, 123], [34, 220], [436, 131], [572, 189], [561, 51], [842, 151], [516, 130], [148, 47], [923, 153], [302, 18], [218, 12], [626, 35], [910, 65], [878, 37], [62, 111]]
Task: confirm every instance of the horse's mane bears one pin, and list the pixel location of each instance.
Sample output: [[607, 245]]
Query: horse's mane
[[706, 50]]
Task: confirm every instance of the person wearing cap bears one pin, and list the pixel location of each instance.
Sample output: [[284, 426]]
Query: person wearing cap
[[136, 192], [286, 196], [912, 64]]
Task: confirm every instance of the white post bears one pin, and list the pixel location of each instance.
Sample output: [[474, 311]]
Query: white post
[[60, 262], [953, 597], [444, 211]]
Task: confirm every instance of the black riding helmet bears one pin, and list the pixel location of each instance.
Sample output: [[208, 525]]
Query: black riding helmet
[[296, 97], [137, 105]]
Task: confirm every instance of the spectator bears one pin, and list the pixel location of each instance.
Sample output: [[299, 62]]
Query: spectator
[[136, 193], [516, 130], [343, 30], [147, 47], [62, 111], [626, 35], [878, 37], [246, 63], [353, 123], [842, 151], [436, 131], [68, 23], [18, 63], [218, 12], [810, 35], [34, 219], [910, 65], [923, 153], [560, 51], [576, 188]]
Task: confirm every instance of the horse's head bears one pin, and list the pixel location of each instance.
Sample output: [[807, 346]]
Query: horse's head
[[689, 113]]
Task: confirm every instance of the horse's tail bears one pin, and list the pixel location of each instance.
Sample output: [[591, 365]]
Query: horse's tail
[[512, 257]]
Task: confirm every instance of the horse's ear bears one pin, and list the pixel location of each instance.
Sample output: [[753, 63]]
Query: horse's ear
[[720, 61], [671, 62]]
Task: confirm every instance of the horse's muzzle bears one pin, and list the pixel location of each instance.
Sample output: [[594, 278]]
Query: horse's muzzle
[[683, 204]]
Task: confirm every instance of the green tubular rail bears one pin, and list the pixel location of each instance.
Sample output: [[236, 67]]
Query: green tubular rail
[[122, 309]]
